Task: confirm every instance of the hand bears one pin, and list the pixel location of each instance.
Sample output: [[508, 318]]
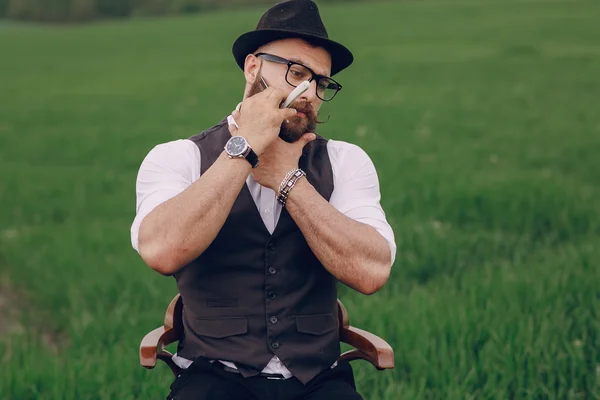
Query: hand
[[280, 158], [260, 118]]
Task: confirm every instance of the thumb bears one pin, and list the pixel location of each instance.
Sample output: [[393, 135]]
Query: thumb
[[307, 138]]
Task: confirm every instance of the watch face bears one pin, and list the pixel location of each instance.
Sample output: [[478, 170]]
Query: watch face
[[236, 146]]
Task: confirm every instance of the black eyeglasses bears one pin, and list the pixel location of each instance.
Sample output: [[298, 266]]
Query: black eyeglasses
[[297, 73]]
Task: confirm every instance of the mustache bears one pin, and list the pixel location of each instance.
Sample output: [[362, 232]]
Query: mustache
[[305, 108]]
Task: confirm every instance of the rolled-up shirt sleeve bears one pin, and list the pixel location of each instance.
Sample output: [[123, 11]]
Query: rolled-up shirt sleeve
[[356, 191], [167, 170]]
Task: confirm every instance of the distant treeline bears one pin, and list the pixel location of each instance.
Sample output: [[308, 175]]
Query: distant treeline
[[87, 10]]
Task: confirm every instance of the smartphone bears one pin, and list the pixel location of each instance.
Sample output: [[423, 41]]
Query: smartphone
[[301, 88]]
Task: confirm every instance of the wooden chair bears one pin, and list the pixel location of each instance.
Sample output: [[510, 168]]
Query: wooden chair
[[367, 346]]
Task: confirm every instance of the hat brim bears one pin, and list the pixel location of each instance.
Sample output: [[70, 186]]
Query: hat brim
[[341, 57]]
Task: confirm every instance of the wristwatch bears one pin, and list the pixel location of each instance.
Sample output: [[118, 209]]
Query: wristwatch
[[238, 147]]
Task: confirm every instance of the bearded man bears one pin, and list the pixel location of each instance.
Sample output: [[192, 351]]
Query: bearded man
[[258, 219]]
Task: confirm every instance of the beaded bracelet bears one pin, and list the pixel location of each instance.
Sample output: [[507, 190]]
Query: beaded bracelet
[[288, 183]]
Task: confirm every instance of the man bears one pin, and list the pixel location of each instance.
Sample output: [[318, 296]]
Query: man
[[258, 218]]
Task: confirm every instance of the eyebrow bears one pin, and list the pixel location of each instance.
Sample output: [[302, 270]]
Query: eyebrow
[[299, 61]]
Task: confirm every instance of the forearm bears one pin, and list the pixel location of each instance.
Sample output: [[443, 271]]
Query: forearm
[[180, 229], [355, 253]]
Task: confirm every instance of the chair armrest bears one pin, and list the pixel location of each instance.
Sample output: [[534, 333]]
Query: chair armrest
[[152, 348], [153, 345], [367, 346], [149, 348]]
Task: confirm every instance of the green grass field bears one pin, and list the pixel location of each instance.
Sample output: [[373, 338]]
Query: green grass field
[[482, 117]]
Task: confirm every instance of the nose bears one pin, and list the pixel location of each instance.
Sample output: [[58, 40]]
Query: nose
[[310, 95]]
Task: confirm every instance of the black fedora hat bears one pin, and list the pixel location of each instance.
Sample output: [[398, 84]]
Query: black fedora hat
[[292, 19]]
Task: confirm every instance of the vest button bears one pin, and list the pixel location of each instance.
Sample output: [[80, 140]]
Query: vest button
[[275, 345], [272, 270], [273, 320], [271, 295], [271, 246]]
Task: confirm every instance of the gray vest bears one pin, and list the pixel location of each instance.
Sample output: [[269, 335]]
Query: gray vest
[[252, 295]]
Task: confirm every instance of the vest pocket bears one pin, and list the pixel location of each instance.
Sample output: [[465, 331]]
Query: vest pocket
[[221, 327], [317, 324]]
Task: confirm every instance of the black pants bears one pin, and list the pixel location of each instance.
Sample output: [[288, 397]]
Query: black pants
[[206, 381]]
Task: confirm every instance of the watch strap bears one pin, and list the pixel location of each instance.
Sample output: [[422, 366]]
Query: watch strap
[[252, 157]]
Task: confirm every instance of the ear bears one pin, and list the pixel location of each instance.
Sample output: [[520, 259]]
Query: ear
[[251, 68]]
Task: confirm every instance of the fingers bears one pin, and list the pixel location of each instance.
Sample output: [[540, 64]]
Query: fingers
[[232, 123], [287, 113], [276, 96], [273, 92]]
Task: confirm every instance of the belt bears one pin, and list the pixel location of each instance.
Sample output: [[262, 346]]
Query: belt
[[262, 374]]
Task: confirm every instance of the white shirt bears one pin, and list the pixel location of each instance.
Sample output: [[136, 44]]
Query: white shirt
[[169, 168]]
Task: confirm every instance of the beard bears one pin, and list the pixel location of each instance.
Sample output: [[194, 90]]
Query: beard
[[297, 126]]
